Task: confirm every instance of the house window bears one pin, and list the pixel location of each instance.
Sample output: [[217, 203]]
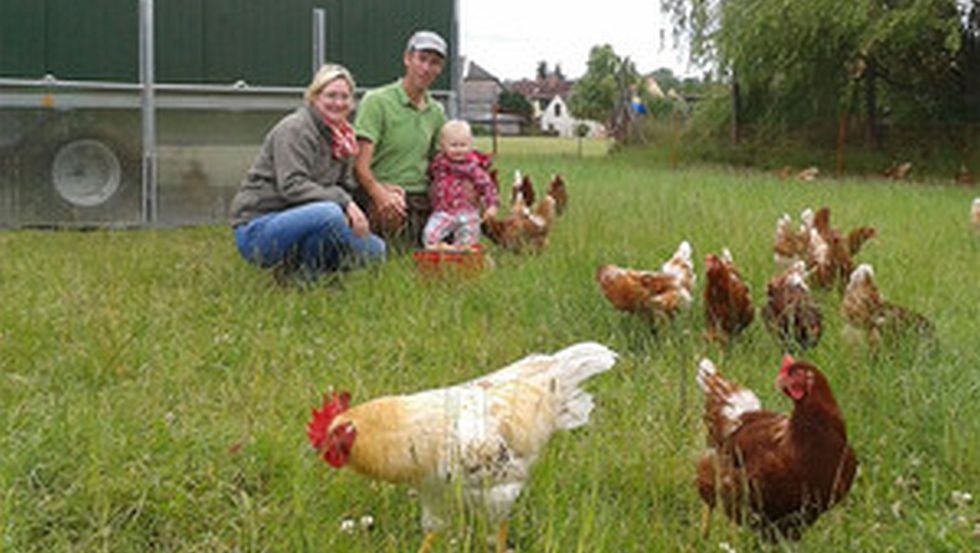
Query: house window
[[557, 110]]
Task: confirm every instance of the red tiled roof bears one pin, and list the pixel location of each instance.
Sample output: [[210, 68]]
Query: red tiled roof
[[547, 88]]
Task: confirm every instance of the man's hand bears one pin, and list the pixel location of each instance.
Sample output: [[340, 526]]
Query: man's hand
[[387, 209], [389, 201]]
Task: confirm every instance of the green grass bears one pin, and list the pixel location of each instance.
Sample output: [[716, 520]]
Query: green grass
[[528, 146], [155, 388]]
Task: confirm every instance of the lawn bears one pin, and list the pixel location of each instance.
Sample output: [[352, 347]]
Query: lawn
[[155, 388], [526, 146]]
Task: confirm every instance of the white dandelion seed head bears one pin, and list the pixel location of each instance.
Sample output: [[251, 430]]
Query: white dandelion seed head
[[960, 499], [348, 525]]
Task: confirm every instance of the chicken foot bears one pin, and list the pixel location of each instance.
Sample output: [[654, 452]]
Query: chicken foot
[[706, 521], [502, 537], [430, 538]]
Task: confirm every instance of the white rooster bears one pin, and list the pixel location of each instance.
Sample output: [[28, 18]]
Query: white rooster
[[482, 436]]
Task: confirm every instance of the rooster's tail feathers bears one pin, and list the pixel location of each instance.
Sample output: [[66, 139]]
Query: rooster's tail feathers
[[570, 367], [579, 362], [574, 365], [560, 374]]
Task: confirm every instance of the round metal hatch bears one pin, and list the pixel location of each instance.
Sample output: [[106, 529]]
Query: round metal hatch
[[86, 172]]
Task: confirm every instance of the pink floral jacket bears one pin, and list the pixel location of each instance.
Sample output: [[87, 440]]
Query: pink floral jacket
[[460, 186]]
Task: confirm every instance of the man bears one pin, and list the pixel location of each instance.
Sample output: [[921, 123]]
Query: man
[[397, 130]]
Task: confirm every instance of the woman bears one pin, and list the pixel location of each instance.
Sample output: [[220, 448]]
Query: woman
[[293, 210]]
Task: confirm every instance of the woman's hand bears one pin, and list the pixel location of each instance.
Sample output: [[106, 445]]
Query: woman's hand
[[357, 220], [490, 213]]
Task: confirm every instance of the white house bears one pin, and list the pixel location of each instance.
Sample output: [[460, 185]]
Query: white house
[[555, 118]]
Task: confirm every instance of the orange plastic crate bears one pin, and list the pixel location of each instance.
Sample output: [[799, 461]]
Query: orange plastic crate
[[466, 261]]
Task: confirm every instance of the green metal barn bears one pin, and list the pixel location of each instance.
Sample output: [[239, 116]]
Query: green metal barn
[[135, 112]]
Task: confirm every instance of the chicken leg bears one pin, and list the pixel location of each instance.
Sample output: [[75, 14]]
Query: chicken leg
[[502, 537], [430, 538], [706, 521]]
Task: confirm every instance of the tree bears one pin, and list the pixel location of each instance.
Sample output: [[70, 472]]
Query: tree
[[666, 79], [969, 65], [542, 71], [599, 92], [514, 102], [795, 63]]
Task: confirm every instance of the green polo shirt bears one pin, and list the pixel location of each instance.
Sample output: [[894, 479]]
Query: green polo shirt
[[404, 137]]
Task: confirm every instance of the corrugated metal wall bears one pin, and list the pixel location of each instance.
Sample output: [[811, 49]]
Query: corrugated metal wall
[[368, 36], [264, 42], [97, 42], [21, 38]]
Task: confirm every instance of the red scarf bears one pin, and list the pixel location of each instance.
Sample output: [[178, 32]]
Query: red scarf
[[343, 143]]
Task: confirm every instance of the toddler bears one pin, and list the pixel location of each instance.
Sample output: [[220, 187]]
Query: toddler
[[461, 185]]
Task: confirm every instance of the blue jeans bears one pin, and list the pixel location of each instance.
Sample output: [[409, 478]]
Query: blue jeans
[[314, 238]]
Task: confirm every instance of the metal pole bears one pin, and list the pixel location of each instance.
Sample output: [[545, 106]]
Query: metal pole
[[496, 110], [456, 74], [319, 38], [148, 107]]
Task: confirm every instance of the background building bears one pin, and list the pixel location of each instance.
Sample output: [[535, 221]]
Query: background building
[[478, 95], [556, 119]]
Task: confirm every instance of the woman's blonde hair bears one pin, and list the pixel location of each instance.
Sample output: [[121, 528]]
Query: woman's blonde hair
[[327, 73]]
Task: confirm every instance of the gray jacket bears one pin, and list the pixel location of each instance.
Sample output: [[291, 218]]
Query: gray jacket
[[293, 167]]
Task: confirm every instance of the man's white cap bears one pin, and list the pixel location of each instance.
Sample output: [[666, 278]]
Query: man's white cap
[[426, 40]]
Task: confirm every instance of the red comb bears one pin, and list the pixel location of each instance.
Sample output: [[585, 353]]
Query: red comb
[[333, 405], [787, 363]]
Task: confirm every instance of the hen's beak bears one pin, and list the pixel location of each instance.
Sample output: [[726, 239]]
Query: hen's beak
[[780, 384]]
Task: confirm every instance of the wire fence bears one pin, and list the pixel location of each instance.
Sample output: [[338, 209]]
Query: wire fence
[[937, 150]]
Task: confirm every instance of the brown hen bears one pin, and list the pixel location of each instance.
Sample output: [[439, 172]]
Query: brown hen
[[789, 244], [523, 229], [963, 176], [727, 301], [773, 472], [866, 314], [830, 255], [558, 191], [651, 294], [523, 190], [790, 313]]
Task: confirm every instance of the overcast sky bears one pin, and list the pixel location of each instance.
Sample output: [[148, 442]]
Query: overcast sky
[[509, 37]]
